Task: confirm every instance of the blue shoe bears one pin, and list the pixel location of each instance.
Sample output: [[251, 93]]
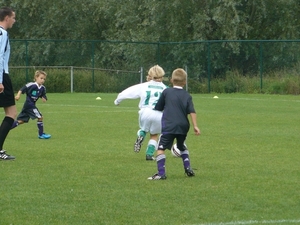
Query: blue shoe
[[45, 136]]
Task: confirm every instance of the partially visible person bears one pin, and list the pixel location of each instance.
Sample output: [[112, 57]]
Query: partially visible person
[[7, 101], [141, 134], [149, 119], [34, 91], [176, 104]]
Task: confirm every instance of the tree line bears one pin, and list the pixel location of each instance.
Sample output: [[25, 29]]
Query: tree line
[[154, 21], [151, 21]]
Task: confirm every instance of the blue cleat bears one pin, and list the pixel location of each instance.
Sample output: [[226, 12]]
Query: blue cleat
[[45, 136]]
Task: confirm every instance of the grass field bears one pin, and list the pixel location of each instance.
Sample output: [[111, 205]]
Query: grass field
[[246, 163]]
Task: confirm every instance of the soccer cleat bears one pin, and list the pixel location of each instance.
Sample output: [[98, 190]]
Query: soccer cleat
[[45, 136], [5, 156], [138, 144], [189, 172], [157, 177], [150, 158]]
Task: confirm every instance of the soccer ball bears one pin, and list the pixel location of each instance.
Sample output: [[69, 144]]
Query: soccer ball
[[175, 151]]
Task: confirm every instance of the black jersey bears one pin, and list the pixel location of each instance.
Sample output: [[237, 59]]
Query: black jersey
[[33, 93], [176, 103]]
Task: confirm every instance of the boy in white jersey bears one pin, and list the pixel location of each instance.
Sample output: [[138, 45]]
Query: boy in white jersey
[[149, 119]]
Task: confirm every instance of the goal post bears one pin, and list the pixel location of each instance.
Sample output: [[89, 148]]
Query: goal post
[[78, 79]]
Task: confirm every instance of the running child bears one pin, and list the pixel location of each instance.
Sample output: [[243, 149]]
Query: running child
[[34, 91], [149, 119], [176, 104]]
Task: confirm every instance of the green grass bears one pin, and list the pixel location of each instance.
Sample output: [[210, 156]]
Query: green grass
[[246, 162]]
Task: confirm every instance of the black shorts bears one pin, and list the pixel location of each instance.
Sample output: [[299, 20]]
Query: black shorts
[[27, 114], [7, 98], [166, 141]]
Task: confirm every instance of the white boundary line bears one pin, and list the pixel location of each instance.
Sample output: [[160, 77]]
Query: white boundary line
[[251, 222], [83, 112], [249, 99], [91, 106]]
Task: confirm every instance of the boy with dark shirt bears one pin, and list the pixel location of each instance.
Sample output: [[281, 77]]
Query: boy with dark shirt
[[34, 91], [176, 104]]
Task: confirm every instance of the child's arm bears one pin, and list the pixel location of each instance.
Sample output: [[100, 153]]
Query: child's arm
[[194, 122], [131, 92], [44, 96], [17, 97]]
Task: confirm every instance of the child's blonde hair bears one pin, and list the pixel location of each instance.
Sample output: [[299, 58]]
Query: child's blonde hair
[[38, 73], [156, 73], [179, 77]]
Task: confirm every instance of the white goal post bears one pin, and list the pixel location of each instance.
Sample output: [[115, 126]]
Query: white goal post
[[72, 68]]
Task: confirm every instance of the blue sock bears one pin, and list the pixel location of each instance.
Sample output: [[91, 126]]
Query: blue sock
[[40, 126], [161, 160], [185, 159], [15, 124]]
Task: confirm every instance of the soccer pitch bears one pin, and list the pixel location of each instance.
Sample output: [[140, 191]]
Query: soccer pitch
[[246, 163]]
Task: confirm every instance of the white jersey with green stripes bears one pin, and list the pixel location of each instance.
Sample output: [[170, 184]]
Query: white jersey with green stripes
[[148, 92]]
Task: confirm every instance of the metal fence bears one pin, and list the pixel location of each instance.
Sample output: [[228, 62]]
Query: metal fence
[[205, 61], [78, 79]]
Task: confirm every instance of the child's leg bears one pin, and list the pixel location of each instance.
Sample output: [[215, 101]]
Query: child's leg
[[151, 147], [40, 126], [138, 143], [17, 123], [142, 133], [184, 151], [185, 159], [161, 162], [23, 117], [166, 141]]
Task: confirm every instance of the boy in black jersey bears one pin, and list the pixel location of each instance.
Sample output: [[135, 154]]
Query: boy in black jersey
[[34, 91], [176, 104]]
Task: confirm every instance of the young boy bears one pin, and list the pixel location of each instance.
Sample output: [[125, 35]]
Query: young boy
[[176, 104], [141, 134], [34, 91], [149, 119]]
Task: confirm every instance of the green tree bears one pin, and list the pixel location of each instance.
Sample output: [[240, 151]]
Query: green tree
[[113, 25]]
